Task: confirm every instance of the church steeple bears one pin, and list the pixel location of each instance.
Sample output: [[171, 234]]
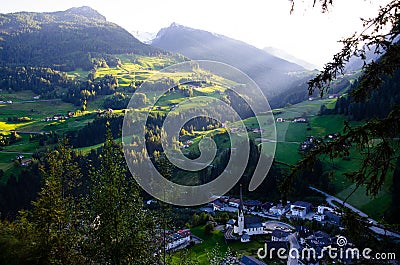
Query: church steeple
[[240, 223], [241, 202]]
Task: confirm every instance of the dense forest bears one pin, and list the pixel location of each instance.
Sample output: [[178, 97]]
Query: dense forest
[[74, 39], [48, 84], [380, 103]]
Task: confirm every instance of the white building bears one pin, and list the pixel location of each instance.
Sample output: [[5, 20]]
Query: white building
[[279, 209], [250, 225], [321, 209], [300, 209], [319, 217], [233, 202], [178, 238]]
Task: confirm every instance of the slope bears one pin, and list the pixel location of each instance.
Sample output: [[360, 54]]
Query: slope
[[271, 73], [64, 40]]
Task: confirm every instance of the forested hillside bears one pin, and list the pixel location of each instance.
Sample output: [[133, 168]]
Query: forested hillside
[[272, 74], [381, 101], [65, 40]]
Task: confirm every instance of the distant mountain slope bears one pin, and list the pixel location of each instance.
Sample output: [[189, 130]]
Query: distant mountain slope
[[356, 63], [290, 58], [269, 72], [63, 40], [143, 36]]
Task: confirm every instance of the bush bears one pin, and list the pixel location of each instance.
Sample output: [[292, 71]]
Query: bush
[[208, 228]]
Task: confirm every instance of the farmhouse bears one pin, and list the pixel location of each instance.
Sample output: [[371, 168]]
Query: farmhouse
[[300, 119], [334, 96]]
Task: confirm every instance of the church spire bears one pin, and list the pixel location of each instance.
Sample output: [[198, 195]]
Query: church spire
[[241, 201]]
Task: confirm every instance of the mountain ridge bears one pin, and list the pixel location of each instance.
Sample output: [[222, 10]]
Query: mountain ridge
[[271, 73], [64, 40], [290, 58]]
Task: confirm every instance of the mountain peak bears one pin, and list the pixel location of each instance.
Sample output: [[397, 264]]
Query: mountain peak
[[86, 11], [174, 25]]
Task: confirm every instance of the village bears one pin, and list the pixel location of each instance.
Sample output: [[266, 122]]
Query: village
[[270, 221]]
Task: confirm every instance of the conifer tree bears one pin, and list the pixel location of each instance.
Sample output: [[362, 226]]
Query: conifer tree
[[119, 230]]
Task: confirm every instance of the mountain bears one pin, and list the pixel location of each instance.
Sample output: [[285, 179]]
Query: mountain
[[356, 63], [290, 58], [271, 73], [143, 36], [64, 40]]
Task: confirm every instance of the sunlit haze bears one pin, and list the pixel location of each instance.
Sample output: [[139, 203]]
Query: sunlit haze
[[307, 33]]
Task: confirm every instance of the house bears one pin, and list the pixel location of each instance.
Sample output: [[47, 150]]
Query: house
[[303, 232], [279, 235], [319, 217], [331, 96], [249, 260], [309, 144], [223, 199], [233, 202], [279, 209], [333, 217], [318, 240], [280, 120], [266, 206], [327, 214], [333, 136], [300, 209], [26, 162], [230, 223], [321, 209], [300, 119], [252, 204], [179, 238], [217, 205]]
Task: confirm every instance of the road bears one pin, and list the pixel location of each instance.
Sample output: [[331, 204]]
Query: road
[[294, 244], [23, 132], [36, 100], [15, 152], [375, 226]]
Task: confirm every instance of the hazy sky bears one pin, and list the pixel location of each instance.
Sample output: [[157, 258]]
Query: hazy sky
[[307, 33]]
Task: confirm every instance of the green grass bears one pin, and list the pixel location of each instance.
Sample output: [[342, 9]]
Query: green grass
[[373, 206], [296, 132], [199, 251], [285, 152], [322, 125], [78, 73], [17, 96], [87, 149]]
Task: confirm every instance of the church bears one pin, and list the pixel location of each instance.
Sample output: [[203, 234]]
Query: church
[[247, 225]]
